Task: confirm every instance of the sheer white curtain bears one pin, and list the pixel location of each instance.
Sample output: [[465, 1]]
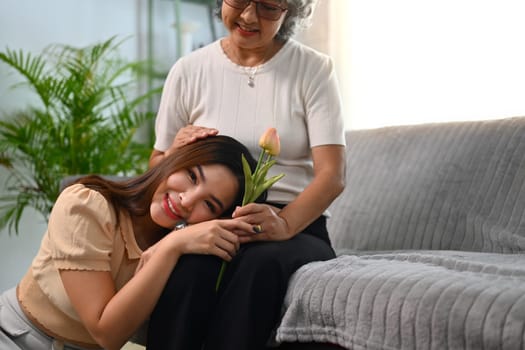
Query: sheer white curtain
[[416, 61]]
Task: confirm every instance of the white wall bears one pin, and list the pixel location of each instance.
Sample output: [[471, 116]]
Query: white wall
[[32, 25]]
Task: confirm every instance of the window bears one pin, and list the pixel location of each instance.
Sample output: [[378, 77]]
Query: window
[[417, 61]]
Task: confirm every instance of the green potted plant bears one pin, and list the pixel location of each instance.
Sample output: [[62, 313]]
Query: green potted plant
[[85, 123]]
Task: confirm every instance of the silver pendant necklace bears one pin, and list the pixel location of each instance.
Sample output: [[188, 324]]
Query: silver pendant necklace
[[250, 72]]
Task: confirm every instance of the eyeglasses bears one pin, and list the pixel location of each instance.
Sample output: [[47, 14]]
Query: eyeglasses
[[268, 9]]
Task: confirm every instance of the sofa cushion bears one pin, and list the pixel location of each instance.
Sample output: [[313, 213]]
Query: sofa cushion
[[457, 186]]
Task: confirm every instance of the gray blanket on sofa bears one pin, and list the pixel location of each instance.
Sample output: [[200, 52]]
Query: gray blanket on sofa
[[409, 300], [430, 233]]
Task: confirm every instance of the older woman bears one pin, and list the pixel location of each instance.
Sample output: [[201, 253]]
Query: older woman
[[254, 78]]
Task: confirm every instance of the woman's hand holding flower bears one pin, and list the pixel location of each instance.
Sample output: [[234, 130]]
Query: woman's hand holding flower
[[274, 227]]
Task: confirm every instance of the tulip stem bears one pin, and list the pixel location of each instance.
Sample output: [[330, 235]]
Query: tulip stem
[[219, 278], [256, 183], [259, 162]]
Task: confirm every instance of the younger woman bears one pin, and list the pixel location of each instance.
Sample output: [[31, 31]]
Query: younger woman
[[110, 247]]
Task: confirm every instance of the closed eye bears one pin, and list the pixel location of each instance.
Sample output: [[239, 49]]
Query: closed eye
[[211, 206], [193, 176]]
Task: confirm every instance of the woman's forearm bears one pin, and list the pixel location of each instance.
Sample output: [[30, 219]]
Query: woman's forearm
[[328, 183], [311, 203], [123, 312], [133, 304], [110, 316]]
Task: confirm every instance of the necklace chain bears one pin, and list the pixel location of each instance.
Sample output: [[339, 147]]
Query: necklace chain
[[250, 72]]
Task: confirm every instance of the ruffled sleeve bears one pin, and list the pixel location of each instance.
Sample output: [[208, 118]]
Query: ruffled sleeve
[[81, 230]]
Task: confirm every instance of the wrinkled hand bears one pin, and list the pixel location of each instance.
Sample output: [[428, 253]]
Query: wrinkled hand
[[190, 134], [274, 227]]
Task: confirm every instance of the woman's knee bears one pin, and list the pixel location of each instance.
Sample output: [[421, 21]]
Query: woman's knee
[[300, 250], [195, 271]]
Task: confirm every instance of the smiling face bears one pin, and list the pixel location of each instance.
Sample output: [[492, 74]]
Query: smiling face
[[194, 195], [247, 29]]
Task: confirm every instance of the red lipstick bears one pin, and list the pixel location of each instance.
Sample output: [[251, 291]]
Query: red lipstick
[[170, 209]]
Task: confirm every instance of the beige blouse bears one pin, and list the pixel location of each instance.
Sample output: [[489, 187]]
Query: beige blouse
[[81, 235]]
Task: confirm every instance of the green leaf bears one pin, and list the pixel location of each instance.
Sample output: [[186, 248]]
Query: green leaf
[[266, 185], [263, 171], [85, 122], [248, 181]]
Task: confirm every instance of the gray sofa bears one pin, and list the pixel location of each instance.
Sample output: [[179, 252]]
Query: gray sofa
[[430, 237]]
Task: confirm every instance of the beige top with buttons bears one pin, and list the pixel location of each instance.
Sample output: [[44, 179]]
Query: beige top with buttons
[[82, 234]]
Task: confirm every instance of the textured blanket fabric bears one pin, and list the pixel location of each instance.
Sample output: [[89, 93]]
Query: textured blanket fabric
[[409, 300], [454, 186], [445, 206]]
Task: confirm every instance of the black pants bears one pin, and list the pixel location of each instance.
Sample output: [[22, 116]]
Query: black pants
[[191, 315]]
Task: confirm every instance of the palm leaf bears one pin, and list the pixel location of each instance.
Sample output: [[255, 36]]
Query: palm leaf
[[87, 123]]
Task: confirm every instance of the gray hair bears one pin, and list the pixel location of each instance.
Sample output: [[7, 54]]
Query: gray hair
[[298, 17]]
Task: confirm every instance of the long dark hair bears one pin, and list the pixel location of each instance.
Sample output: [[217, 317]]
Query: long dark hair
[[135, 194]]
